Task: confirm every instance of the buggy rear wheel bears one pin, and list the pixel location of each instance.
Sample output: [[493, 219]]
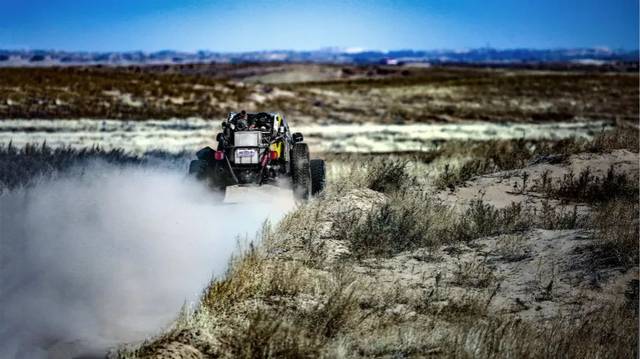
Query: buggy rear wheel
[[300, 171], [198, 169], [317, 176], [206, 154], [206, 171]]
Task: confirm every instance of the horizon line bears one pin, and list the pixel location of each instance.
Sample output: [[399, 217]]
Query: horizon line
[[342, 50]]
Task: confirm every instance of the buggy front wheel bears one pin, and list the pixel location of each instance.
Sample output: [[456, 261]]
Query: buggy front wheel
[[301, 171]]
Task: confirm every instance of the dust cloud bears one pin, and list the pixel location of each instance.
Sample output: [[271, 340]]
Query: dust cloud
[[106, 255]]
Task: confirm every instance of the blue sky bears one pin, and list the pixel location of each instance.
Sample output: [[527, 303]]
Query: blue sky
[[240, 25]]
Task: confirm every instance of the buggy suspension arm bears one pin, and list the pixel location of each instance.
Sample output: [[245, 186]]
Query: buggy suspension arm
[[264, 158], [226, 160]]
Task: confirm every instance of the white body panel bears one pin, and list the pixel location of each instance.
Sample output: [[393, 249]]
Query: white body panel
[[249, 155], [247, 138]]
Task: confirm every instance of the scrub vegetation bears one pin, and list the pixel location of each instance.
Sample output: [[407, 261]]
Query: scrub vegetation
[[384, 264], [381, 266], [328, 93]]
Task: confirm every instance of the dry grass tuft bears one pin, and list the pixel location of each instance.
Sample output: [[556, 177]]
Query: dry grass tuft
[[475, 274], [610, 332], [253, 275], [388, 176], [265, 334], [407, 221], [622, 137], [560, 217], [512, 248], [617, 229]]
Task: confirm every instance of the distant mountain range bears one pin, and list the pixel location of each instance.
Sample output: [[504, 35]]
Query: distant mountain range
[[593, 56]]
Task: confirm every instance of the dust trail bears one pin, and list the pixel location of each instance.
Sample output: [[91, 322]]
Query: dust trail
[[91, 260]]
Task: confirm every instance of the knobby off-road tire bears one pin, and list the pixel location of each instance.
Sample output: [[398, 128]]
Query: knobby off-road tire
[[207, 171], [206, 154], [198, 169], [317, 176], [301, 171]]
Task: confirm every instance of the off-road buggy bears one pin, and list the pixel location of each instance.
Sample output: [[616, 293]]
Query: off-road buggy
[[259, 148]]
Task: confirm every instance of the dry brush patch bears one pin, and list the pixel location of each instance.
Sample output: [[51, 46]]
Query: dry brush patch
[[283, 299], [443, 94], [361, 93], [263, 307], [415, 219], [617, 232], [609, 332], [465, 160], [590, 188], [407, 221]]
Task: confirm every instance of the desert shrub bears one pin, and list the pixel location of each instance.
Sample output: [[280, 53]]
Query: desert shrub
[[452, 176], [619, 138], [343, 176], [559, 217], [224, 325], [390, 229], [274, 332], [586, 187], [468, 308], [305, 225], [238, 282], [182, 343], [483, 219], [506, 154], [388, 175], [447, 178], [479, 220], [409, 220], [617, 231], [191, 329]]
